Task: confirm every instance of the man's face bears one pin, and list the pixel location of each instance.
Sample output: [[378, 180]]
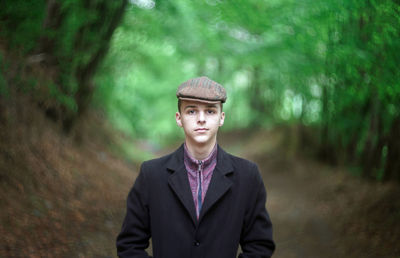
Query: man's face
[[200, 121]]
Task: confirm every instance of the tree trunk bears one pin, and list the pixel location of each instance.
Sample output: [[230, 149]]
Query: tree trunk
[[374, 138], [52, 21], [258, 103], [392, 167], [323, 149], [85, 73]]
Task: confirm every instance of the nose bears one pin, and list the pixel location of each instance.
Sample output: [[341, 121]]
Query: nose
[[201, 118]]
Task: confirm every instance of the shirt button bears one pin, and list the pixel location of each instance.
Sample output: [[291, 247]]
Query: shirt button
[[196, 243]]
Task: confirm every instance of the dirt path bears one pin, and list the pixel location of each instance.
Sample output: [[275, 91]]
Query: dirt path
[[317, 210], [296, 203], [301, 220]]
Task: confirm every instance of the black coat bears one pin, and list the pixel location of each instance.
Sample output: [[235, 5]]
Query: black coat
[[160, 205]]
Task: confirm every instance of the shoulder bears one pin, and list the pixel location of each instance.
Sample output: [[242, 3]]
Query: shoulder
[[172, 160], [239, 162], [244, 167], [246, 175], [154, 167], [157, 162]]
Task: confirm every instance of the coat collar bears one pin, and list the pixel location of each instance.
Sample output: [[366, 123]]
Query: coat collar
[[179, 182], [223, 163]]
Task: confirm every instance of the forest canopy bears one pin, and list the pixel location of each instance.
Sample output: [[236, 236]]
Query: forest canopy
[[329, 66]]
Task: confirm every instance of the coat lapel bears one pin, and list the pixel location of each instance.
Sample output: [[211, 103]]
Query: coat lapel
[[219, 184], [179, 182]]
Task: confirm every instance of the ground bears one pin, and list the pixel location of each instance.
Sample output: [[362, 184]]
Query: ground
[[318, 210], [66, 198]]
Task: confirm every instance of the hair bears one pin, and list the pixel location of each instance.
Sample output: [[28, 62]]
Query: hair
[[180, 102], [179, 105]]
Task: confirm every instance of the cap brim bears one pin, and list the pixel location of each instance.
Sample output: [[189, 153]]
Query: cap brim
[[201, 100]]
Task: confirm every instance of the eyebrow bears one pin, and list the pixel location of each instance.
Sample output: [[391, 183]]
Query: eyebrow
[[190, 106], [194, 106], [212, 105]]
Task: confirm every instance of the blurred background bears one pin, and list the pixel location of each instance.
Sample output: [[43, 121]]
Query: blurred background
[[87, 92]]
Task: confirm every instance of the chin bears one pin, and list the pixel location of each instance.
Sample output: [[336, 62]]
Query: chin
[[201, 139]]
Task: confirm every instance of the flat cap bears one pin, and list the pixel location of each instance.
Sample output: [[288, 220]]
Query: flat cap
[[201, 89]]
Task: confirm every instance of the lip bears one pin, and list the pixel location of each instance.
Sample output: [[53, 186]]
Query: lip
[[201, 129]]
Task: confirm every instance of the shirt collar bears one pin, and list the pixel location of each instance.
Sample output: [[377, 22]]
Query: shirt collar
[[192, 164]]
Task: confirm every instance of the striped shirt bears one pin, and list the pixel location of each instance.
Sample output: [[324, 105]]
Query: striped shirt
[[199, 174]]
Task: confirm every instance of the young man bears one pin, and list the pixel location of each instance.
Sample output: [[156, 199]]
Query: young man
[[198, 201]]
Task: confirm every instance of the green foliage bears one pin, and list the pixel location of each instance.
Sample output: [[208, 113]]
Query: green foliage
[[65, 39], [61, 98], [23, 20], [332, 65]]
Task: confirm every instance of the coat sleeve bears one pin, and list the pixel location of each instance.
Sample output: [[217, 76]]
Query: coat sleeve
[[256, 238], [135, 233]]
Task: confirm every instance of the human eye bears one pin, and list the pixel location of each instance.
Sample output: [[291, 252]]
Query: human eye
[[190, 111], [211, 111]]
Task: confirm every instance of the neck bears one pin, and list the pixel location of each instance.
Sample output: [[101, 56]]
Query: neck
[[202, 151]]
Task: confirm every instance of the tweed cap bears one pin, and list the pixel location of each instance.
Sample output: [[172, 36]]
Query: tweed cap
[[201, 89]]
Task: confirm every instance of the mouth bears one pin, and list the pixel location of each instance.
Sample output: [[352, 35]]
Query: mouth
[[201, 129]]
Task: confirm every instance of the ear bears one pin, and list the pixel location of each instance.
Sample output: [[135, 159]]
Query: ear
[[222, 119], [178, 119]]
